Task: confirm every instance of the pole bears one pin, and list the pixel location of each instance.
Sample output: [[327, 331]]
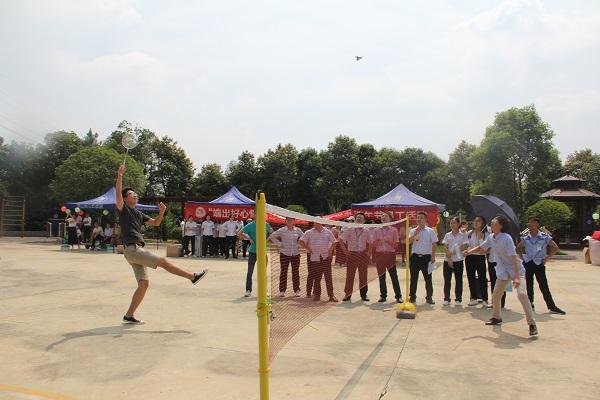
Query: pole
[[407, 250], [407, 310], [262, 307]]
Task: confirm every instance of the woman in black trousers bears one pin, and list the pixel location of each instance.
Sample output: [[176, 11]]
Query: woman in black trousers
[[475, 263]]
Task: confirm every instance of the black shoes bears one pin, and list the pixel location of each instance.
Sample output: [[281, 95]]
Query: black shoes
[[381, 299], [533, 330], [495, 321], [429, 300], [347, 298], [132, 320], [365, 298], [198, 276], [557, 310]]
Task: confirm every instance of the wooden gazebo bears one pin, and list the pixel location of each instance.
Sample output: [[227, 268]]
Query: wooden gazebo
[[582, 202]]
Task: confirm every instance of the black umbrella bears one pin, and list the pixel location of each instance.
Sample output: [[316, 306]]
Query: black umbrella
[[490, 206]]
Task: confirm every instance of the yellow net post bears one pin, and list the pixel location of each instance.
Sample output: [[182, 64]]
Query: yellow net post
[[407, 310], [263, 304]]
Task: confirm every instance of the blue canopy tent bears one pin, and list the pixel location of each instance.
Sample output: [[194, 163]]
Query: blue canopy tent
[[107, 201], [233, 197], [402, 202]]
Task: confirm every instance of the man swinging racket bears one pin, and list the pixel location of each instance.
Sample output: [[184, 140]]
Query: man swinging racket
[[132, 221]]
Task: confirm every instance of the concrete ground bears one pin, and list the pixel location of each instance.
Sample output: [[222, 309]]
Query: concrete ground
[[61, 337]]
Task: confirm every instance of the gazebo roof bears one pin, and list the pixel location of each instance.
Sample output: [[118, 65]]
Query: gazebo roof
[[569, 186]]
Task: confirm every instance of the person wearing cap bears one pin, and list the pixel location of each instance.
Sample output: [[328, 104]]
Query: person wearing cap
[[286, 239], [533, 250], [355, 243], [423, 240], [319, 243]]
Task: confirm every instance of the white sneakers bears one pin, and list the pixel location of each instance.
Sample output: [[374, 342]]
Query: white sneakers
[[473, 302], [247, 294], [446, 303], [458, 303], [297, 293]]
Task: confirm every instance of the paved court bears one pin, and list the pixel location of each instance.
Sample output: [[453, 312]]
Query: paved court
[[61, 337]]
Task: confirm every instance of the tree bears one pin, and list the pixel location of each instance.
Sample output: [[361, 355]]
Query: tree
[[459, 177], [552, 214], [172, 171], [277, 174], [340, 163], [414, 164], [516, 160], [91, 139], [243, 173], [309, 190], [209, 182], [142, 153], [90, 172], [584, 164]]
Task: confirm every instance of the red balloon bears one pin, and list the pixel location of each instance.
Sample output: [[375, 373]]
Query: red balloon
[[63, 208]]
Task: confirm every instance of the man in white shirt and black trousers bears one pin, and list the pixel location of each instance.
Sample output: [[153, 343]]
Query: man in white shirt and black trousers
[[231, 227], [423, 242]]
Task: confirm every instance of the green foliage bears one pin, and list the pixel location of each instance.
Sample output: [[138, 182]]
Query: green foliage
[[172, 171], [278, 171], [243, 173], [90, 172], [517, 159], [552, 214], [297, 208], [209, 182], [167, 168], [585, 164]]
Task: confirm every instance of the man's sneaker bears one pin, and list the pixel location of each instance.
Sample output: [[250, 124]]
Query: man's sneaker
[[533, 330], [458, 303], [479, 300], [532, 306], [132, 320], [486, 305], [557, 310], [347, 298], [199, 275], [281, 294], [297, 293], [381, 299], [248, 293], [399, 300], [494, 321], [473, 303], [446, 303], [365, 298], [429, 300], [332, 299]]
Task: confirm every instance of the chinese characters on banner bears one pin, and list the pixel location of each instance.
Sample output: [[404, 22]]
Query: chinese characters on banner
[[218, 213]]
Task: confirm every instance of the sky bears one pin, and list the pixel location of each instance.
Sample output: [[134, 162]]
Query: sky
[[221, 77]]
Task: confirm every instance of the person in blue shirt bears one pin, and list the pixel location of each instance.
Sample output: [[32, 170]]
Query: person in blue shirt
[[248, 232], [533, 250], [509, 267]]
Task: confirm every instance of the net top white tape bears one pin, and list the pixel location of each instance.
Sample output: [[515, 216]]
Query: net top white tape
[[324, 221]]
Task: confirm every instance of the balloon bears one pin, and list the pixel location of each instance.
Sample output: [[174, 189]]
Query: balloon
[[105, 212], [77, 209], [63, 208]]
